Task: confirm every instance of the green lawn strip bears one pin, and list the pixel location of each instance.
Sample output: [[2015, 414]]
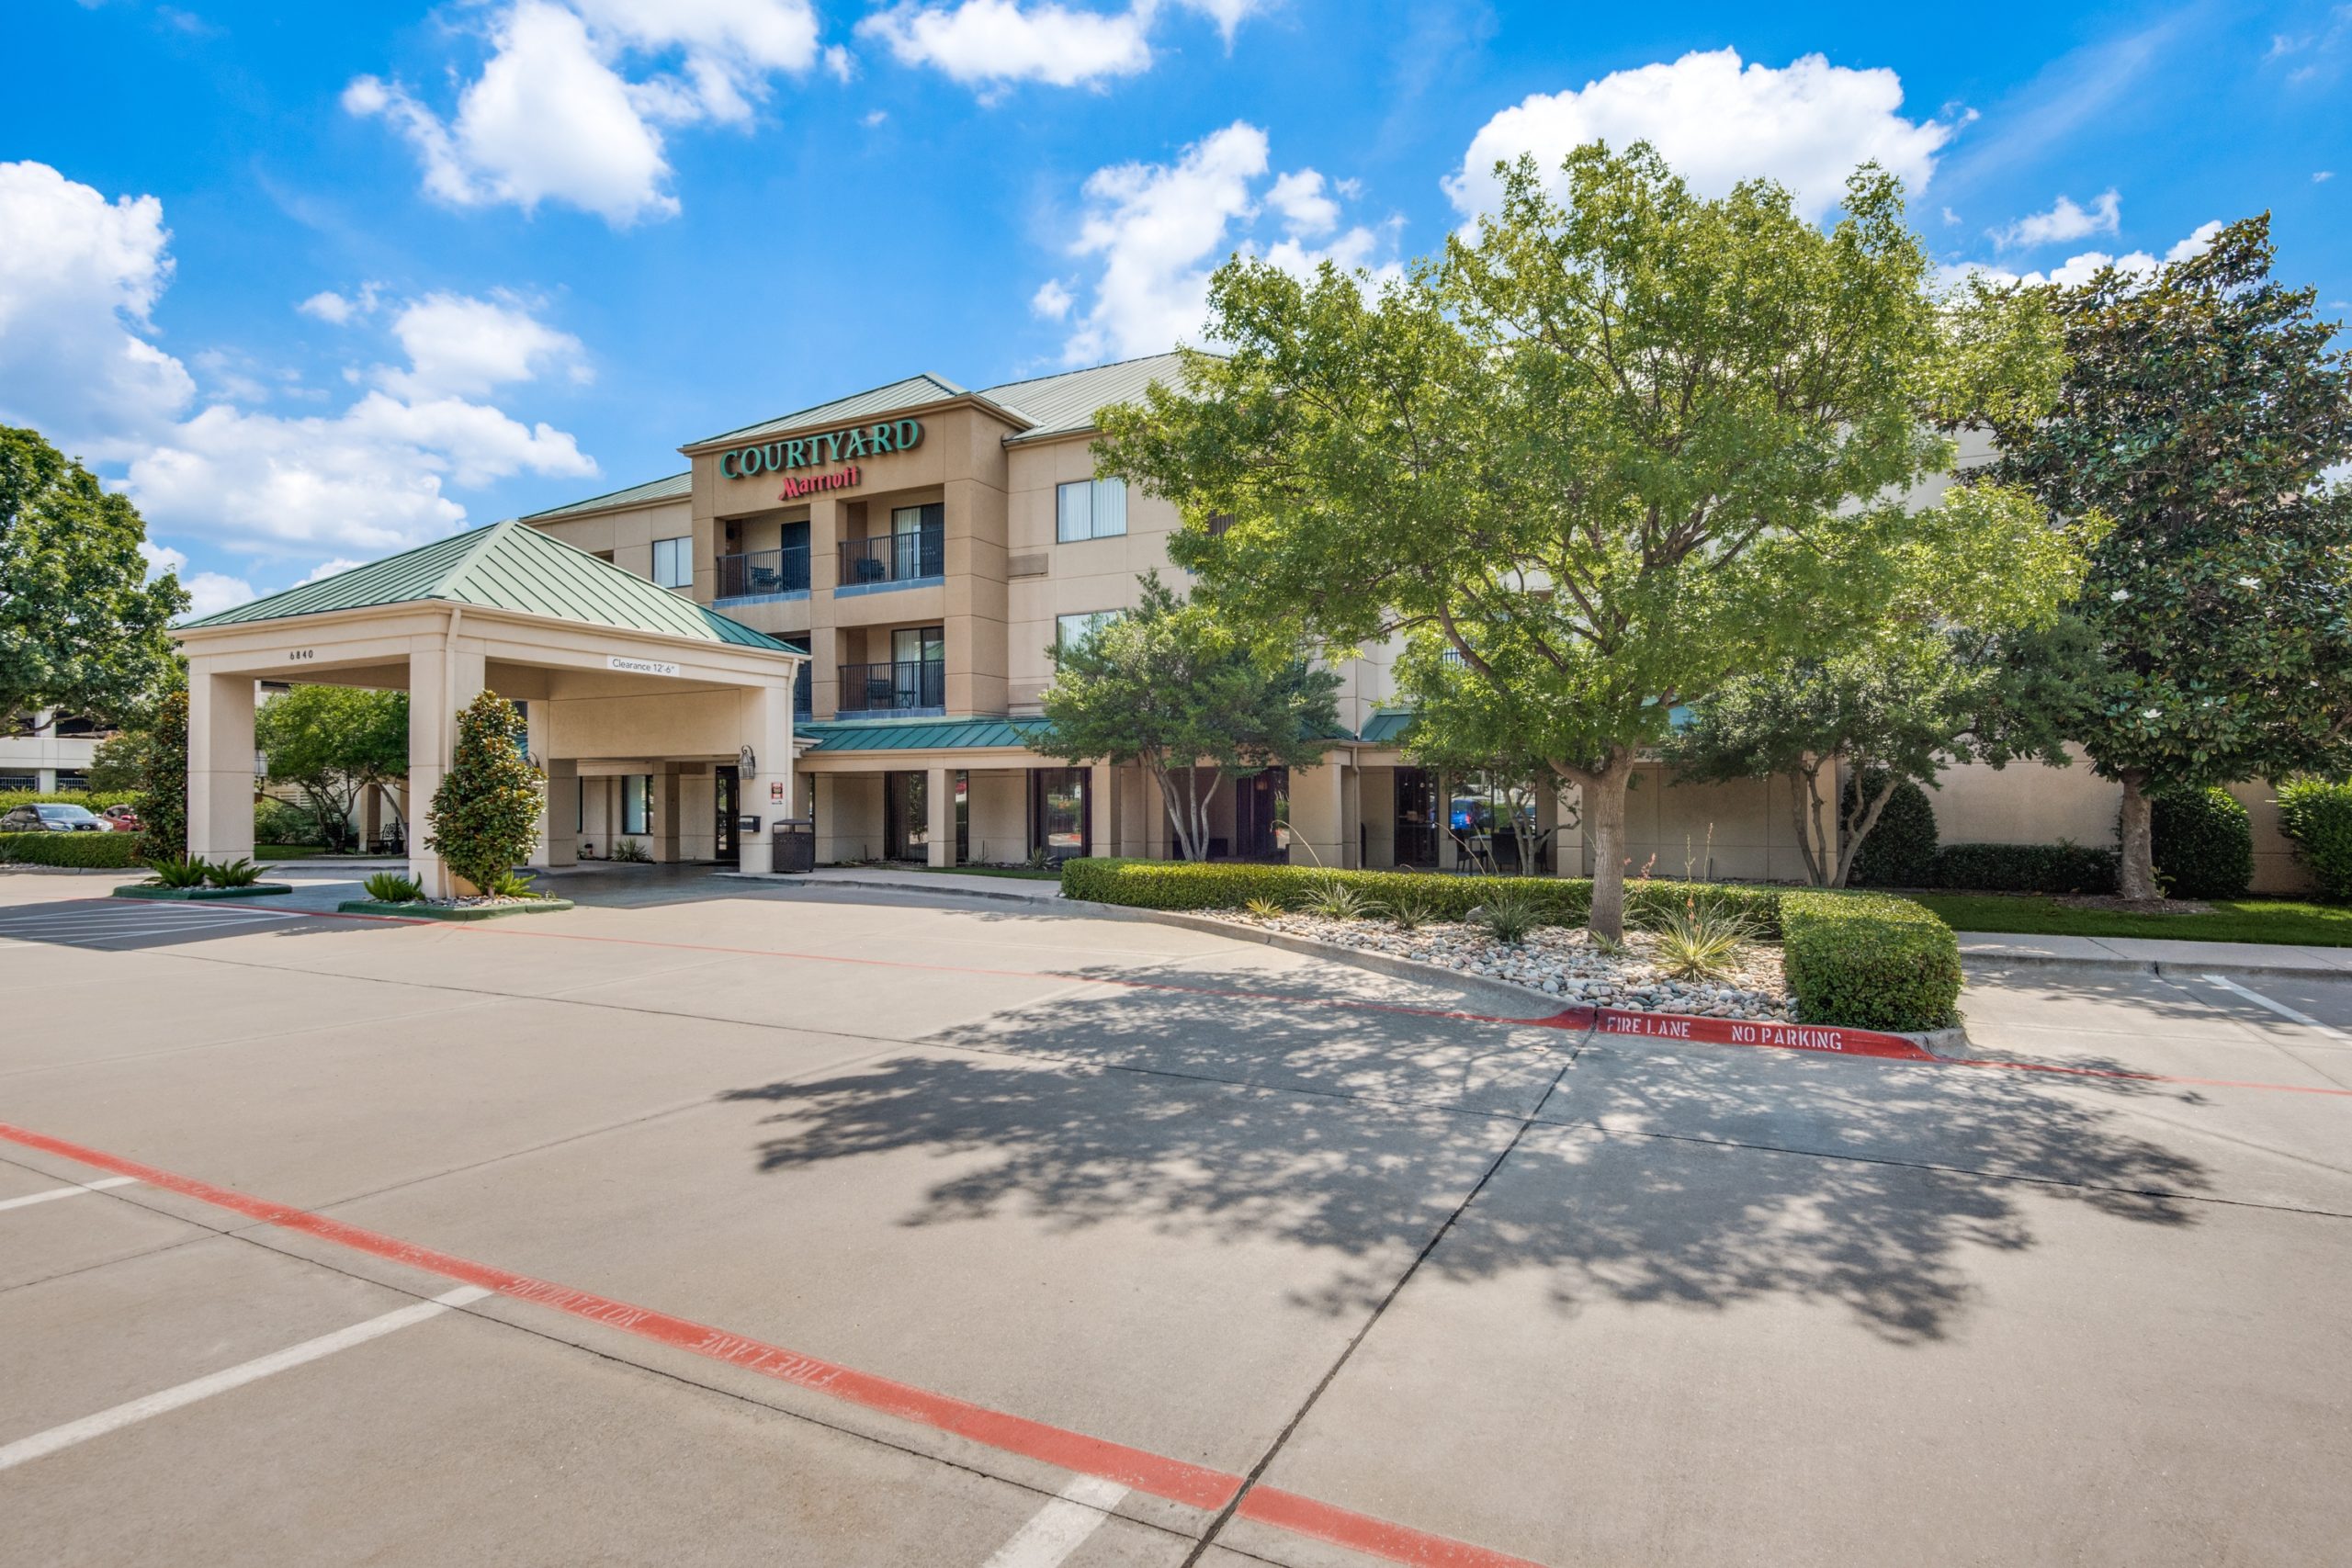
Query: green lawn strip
[[2276, 921], [286, 851]]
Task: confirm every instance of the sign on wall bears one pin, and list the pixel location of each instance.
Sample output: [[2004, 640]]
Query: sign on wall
[[796, 488], [813, 451], [628, 666]]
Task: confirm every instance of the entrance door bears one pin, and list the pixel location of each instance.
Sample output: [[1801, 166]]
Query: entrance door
[[1261, 815], [1416, 818], [906, 816], [726, 848]]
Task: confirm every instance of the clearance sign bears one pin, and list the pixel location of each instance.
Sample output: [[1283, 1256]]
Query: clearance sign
[[847, 444]]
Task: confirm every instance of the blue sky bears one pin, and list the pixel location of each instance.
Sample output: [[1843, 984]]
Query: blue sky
[[318, 282]]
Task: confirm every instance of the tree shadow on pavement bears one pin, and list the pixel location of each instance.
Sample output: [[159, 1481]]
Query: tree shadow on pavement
[[1702, 1181]]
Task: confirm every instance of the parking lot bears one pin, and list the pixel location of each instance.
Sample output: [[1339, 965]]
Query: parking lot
[[715, 1224]]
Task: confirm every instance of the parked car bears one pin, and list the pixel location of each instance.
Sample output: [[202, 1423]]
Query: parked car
[[123, 818], [42, 816]]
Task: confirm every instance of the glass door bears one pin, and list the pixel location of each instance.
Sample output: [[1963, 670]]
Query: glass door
[[906, 816], [1416, 818], [726, 847], [918, 667]]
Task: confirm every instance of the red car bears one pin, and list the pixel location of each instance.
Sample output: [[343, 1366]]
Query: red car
[[121, 818]]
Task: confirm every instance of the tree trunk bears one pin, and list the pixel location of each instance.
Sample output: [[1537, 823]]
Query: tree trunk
[[1860, 828], [1177, 818], [2136, 876], [1604, 805], [1201, 808], [1804, 805]]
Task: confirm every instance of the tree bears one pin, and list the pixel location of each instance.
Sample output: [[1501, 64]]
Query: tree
[[2213, 636], [486, 813], [1171, 686], [331, 742], [1462, 725], [1612, 453], [82, 630], [162, 804], [1924, 682]]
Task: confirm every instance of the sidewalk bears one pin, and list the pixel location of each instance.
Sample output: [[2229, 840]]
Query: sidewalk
[[2158, 954], [1018, 889]]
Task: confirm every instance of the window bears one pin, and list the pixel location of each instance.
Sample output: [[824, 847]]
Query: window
[[673, 562], [1060, 822], [1091, 509], [637, 803], [1070, 631]]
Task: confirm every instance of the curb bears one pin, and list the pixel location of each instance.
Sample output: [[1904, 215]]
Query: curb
[[430, 912], [201, 895], [1934, 1042], [2169, 968]]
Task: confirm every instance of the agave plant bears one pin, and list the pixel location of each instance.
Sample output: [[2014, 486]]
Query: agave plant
[[238, 873], [391, 887], [1696, 943], [512, 884], [186, 872], [1410, 910], [1334, 900], [1264, 908], [1509, 915]]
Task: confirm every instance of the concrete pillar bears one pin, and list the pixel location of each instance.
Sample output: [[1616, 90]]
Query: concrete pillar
[[1317, 814], [1448, 850], [559, 843], [221, 766], [665, 808], [824, 799], [768, 729], [939, 798], [428, 754], [1103, 808]]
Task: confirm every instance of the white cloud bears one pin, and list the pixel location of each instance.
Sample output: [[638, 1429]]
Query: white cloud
[[457, 344], [553, 117], [211, 591], [2080, 269], [79, 279], [161, 559], [1717, 123], [2064, 221], [993, 42], [841, 64], [342, 310], [1159, 230], [1052, 299], [2321, 176], [327, 569]]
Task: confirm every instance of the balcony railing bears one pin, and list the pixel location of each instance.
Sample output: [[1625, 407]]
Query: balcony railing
[[756, 572], [893, 557], [910, 685]]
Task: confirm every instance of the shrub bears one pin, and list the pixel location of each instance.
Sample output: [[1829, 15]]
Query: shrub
[[180, 873], [104, 851], [1700, 943], [161, 800], [1334, 900], [1563, 900], [1901, 850], [1511, 913], [238, 873], [486, 813], [1410, 910], [95, 799], [2316, 817], [1868, 961], [631, 852], [2204, 844], [2025, 868], [391, 887], [282, 822]]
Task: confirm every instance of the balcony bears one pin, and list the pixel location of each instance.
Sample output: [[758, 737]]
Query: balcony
[[764, 574], [889, 560], [913, 686]]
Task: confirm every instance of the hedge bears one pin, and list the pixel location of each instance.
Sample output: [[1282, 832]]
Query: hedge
[[1901, 849], [2204, 844], [1867, 960], [2316, 817], [109, 851], [2024, 868]]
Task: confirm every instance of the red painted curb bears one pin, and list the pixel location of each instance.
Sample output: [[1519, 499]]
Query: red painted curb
[[1195, 1485], [1740, 1031]]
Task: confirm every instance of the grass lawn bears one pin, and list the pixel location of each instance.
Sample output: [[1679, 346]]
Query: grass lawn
[[2232, 919], [285, 851]]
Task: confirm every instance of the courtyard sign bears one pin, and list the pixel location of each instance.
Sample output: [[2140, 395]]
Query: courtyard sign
[[831, 446]]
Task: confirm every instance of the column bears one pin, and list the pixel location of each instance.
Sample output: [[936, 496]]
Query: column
[[1547, 818], [558, 842], [1315, 816], [767, 727], [824, 799], [939, 796], [665, 814], [1103, 808], [1448, 851], [221, 766], [428, 758]]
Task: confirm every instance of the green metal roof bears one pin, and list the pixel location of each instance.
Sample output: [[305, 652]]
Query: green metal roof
[[507, 566], [912, 392], [918, 735], [678, 487], [1385, 725], [1063, 404]]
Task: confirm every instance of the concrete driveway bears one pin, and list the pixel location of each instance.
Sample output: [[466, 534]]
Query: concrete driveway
[[710, 1223]]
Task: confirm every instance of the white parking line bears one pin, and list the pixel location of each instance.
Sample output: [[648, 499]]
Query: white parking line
[[43, 1444], [54, 1194], [2281, 1009], [1060, 1527]]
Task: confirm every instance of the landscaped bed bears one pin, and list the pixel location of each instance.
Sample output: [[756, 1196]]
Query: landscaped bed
[[201, 895], [1855, 960], [453, 908]]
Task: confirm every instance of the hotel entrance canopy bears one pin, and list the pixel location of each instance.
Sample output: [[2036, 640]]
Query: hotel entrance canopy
[[606, 663]]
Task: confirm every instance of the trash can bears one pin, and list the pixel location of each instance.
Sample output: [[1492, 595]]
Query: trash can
[[794, 843]]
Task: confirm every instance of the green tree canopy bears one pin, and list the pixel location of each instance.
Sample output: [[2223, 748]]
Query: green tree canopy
[[1611, 452], [82, 630], [486, 814], [1172, 687], [2213, 639], [331, 742], [163, 772]]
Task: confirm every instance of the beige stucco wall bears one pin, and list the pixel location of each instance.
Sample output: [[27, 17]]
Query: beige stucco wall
[[625, 534]]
